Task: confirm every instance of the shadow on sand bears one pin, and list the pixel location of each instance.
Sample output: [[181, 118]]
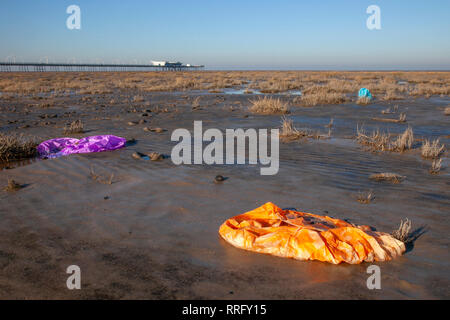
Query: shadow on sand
[[413, 236]]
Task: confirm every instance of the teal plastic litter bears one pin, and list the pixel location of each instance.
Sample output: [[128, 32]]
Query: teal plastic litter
[[363, 92]]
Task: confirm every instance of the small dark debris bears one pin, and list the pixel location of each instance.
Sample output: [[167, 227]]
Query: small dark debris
[[219, 178]]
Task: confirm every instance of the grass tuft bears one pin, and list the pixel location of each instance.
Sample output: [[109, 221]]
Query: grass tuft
[[403, 233], [12, 186], [322, 98], [330, 124], [432, 150], [404, 141], [289, 132], [435, 166], [378, 141], [387, 176], [138, 98], [16, 147], [269, 105], [401, 119], [196, 103], [74, 127], [101, 179], [363, 101], [365, 197]]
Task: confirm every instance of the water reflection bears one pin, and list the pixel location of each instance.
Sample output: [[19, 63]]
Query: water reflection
[[254, 91]]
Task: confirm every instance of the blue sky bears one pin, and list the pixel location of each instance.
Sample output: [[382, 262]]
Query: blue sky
[[231, 34]]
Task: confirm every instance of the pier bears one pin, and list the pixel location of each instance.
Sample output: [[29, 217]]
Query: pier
[[92, 67]]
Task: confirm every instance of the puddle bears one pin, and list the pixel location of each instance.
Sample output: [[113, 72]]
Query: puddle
[[241, 91], [294, 93], [253, 91]]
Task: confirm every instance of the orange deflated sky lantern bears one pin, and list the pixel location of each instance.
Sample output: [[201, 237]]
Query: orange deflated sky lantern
[[305, 236]]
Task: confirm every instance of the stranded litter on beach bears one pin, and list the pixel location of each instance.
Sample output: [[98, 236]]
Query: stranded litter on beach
[[305, 236], [65, 146]]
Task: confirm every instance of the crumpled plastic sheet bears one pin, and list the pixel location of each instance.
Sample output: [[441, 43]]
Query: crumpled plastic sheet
[[305, 236], [65, 146], [363, 92]]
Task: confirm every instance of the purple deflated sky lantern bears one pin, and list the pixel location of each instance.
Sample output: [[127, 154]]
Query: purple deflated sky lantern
[[58, 147]]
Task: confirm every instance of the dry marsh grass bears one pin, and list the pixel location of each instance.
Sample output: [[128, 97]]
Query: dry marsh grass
[[12, 186], [318, 87], [16, 147], [76, 126], [403, 233], [389, 111], [392, 95], [100, 178], [289, 132], [387, 176], [447, 111], [138, 98], [330, 124], [378, 141], [404, 141], [384, 83], [401, 119], [155, 156], [435, 166], [432, 150], [363, 101], [269, 105], [429, 89], [276, 86], [196, 103], [321, 98], [365, 197]]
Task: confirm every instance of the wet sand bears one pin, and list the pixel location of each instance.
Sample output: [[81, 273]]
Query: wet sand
[[153, 233]]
